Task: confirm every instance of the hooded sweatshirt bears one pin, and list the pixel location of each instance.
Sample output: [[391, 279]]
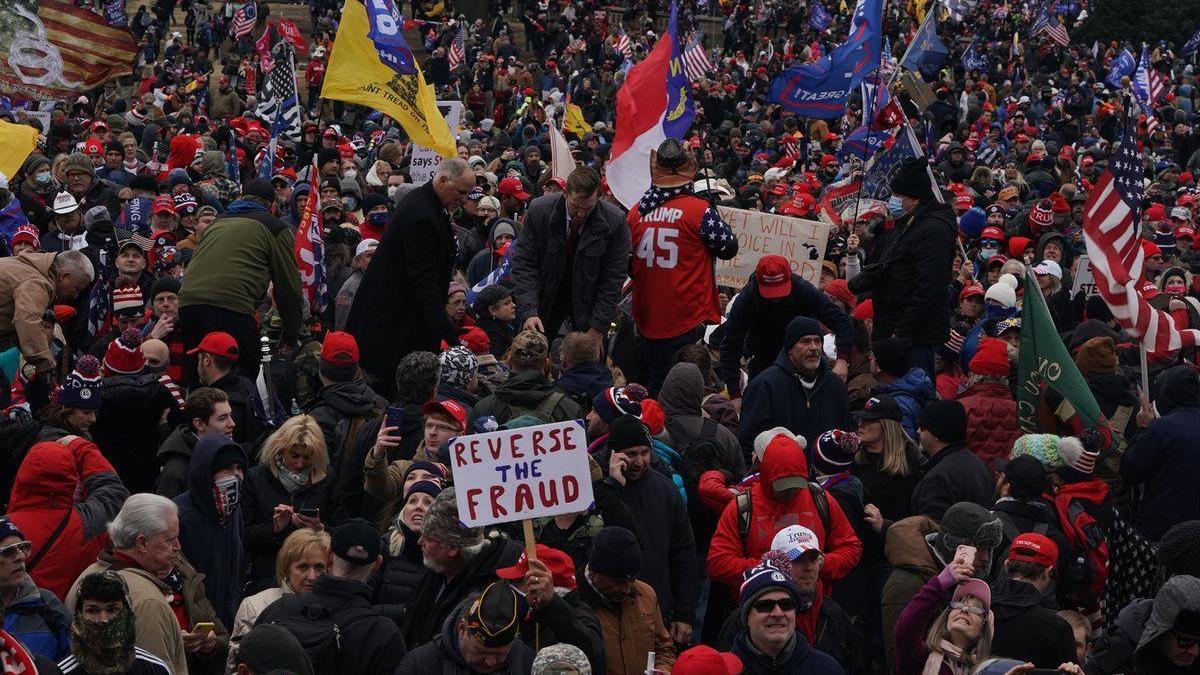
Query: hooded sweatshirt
[[1180, 594], [213, 546], [1027, 627], [681, 397]]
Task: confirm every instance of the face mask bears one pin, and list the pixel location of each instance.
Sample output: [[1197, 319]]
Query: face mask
[[42, 178], [104, 647], [985, 253], [226, 491], [348, 204], [895, 207], [349, 173], [378, 219], [292, 480], [1175, 288], [392, 191]]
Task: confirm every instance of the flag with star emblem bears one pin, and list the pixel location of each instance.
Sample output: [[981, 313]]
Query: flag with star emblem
[[279, 96], [1148, 85], [1111, 231], [244, 19]]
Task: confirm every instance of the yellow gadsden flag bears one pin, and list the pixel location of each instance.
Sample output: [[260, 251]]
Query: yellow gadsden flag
[[16, 142], [356, 75], [574, 122]]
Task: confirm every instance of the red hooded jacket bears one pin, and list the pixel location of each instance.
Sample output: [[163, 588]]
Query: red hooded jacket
[[65, 479]]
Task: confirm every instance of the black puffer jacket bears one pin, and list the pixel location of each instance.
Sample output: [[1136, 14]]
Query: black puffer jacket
[[566, 620], [243, 399], [261, 493], [127, 428], [334, 409], [909, 280], [174, 455], [401, 571], [442, 655]]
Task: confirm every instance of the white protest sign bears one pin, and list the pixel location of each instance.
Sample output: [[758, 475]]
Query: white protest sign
[[519, 474], [759, 234], [1085, 282], [424, 160]]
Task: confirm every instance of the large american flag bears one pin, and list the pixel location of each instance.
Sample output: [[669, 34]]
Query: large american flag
[[624, 44], [1110, 230], [1148, 84], [309, 248], [1047, 20], [458, 48], [244, 19], [279, 96], [695, 62]]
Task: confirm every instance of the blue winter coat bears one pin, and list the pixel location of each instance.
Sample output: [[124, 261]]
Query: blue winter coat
[[912, 393], [212, 546], [801, 659], [39, 621], [775, 397]]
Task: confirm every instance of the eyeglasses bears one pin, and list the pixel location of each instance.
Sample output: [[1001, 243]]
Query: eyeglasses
[[434, 426], [11, 551], [970, 609], [767, 606], [1184, 642]]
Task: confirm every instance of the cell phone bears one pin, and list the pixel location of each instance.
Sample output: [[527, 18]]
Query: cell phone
[[965, 555], [310, 511], [204, 627], [393, 416]]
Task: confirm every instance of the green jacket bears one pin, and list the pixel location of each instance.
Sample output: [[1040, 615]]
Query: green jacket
[[238, 256]]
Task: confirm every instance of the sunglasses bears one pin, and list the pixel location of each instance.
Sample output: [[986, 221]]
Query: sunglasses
[[767, 606], [970, 609], [1185, 642], [11, 551]]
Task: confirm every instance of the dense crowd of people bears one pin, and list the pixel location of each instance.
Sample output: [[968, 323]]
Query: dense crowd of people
[[215, 463]]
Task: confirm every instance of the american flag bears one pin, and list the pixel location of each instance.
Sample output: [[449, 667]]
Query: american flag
[[99, 299], [279, 96], [458, 48], [310, 248], [1110, 230], [1148, 84], [624, 44], [695, 62], [1047, 20], [270, 156], [244, 19]]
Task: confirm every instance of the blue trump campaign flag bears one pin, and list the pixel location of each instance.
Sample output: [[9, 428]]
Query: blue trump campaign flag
[[821, 89], [882, 168], [927, 52], [819, 17], [1122, 66], [1192, 44], [387, 33], [863, 143], [973, 60]]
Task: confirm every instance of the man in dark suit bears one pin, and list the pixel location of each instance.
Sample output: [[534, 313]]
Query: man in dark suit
[[400, 305], [571, 260]]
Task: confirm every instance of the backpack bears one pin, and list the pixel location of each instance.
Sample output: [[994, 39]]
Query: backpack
[[320, 630], [544, 410], [1087, 571], [745, 509], [703, 445]]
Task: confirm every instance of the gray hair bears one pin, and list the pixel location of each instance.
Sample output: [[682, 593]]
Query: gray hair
[[143, 514], [454, 167], [76, 264]]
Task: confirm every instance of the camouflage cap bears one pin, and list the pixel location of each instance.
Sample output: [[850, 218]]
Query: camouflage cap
[[529, 348]]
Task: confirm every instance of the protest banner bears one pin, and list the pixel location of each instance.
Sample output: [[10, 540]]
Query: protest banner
[[425, 160], [521, 474], [1084, 281], [801, 241]]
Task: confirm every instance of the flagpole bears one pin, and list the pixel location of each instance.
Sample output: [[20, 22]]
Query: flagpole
[[1145, 369], [867, 123]]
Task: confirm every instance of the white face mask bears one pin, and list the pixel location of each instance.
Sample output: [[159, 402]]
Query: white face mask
[[349, 173], [392, 191]]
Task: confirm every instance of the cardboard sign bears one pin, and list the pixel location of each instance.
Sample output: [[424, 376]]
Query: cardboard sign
[[1085, 282], [520, 474], [759, 234], [425, 160]]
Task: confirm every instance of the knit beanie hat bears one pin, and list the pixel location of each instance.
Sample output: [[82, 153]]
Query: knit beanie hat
[[1080, 454], [801, 326], [1047, 448], [627, 432], [81, 388], [1179, 549], [1042, 214], [127, 299], [991, 358], [764, 438], [613, 402], [442, 523], [893, 355], [458, 367], [124, 356], [615, 552], [761, 578], [972, 222], [654, 417], [1001, 293], [835, 451], [1097, 356], [945, 419], [164, 285], [429, 487], [77, 161], [912, 179]]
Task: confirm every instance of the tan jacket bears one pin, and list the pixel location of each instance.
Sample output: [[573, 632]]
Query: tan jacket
[[384, 482], [158, 631], [247, 615], [637, 630], [27, 286]]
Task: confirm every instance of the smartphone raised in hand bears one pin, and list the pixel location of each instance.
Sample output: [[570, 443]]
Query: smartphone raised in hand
[[393, 416], [965, 555]]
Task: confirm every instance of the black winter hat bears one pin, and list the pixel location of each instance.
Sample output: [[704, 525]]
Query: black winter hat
[[143, 182], [269, 648], [328, 155], [801, 326], [893, 355], [627, 432], [373, 200], [260, 188], [912, 180], [945, 419], [616, 553], [1179, 549], [356, 541], [164, 285]]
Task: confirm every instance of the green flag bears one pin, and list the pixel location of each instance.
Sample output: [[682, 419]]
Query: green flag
[[1047, 365]]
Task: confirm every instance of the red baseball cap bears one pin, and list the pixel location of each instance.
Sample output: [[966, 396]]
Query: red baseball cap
[[339, 356], [218, 343], [93, 147], [512, 187], [163, 204], [704, 660], [974, 290], [562, 568], [1188, 232], [964, 201], [448, 407], [1034, 548], [828, 159], [774, 276], [476, 340], [992, 232]]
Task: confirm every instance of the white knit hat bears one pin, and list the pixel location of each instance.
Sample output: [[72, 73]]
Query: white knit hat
[[1001, 293], [764, 438]]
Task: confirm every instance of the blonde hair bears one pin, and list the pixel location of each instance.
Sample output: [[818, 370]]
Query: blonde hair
[[895, 449], [295, 547], [977, 652], [300, 430]]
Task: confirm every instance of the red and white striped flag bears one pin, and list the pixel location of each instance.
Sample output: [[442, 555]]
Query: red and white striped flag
[[1110, 230], [458, 49], [695, 62], [244, 19], [624, 44]]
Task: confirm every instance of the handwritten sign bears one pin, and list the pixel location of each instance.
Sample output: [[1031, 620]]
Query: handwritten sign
[[520, 474], [759, 234], [1085, 282], [425, 160]]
